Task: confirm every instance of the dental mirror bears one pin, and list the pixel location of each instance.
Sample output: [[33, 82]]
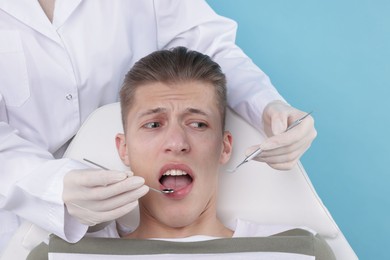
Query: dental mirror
[[163, 191]]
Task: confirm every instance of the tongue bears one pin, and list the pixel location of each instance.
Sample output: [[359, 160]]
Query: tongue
[[176, 182]]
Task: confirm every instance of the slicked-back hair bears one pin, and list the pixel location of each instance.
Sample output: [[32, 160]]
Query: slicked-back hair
[[174, 66]]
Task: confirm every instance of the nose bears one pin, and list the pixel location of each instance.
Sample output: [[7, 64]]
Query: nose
[[176, 140]]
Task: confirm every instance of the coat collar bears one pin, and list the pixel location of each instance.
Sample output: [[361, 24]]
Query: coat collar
[[31, 14]]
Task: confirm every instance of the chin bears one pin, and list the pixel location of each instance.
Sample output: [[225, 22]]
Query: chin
[[179, 221]]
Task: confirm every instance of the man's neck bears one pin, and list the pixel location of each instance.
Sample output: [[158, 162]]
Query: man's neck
[[150, 228], [48, 8]]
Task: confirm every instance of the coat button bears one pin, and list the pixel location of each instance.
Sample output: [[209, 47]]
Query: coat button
[[69, 97]]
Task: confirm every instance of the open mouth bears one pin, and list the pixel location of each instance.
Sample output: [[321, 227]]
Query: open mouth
[[175, 179]]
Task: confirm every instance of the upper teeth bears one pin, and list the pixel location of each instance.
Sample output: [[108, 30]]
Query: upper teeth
[[174, 173]]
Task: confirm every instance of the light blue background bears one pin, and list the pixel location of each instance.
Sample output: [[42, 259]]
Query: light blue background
[[333, 57]]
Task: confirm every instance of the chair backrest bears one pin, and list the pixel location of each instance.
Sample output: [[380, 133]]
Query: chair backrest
[[255, 192]]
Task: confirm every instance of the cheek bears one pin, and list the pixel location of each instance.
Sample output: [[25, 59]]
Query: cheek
[[140, 160], [213, 149], [209, 155]]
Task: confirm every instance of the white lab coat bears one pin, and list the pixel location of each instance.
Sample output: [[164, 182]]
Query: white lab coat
[[52, 76]]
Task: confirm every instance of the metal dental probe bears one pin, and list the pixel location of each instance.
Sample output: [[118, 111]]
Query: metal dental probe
[[258, 150], [164, 191]]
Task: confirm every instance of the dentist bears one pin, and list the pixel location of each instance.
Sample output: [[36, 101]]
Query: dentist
[[60, 60]]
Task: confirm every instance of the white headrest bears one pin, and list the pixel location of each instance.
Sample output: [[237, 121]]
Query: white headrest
[[255, 192]]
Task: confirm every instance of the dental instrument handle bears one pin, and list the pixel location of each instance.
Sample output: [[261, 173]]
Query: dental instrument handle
[[253, 155], [98, 165], [247, 159], [164, 191], [297, 122]]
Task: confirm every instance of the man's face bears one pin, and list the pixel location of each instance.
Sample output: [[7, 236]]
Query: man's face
[[174, 139]]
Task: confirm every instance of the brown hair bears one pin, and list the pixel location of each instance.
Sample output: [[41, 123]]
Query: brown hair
[[173, 66]]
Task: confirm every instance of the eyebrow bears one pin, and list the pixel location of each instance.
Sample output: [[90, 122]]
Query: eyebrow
[[152, 111], [195, 111], [159, 110]]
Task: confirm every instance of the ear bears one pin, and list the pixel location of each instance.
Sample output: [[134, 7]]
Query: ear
[[120, 141], [227, 147]]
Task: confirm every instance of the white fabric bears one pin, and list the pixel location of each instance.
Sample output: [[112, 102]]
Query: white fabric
[[242, 229], [228, 256], [54, 75], [8, 225]]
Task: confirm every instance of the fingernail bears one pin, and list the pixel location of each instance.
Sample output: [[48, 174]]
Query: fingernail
[[143, 190], [129, 173], [136, 180], [118, 176]]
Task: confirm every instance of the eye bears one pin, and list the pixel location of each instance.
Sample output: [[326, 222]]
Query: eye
[[198, 125], [151, 125]]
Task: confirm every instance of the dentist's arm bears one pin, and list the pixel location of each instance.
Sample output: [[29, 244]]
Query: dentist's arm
[[250, 91], [34, 184]]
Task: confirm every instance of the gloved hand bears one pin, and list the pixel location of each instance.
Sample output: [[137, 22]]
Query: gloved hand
[[96, 196], [282, 150]]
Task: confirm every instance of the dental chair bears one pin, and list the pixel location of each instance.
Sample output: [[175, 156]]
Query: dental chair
[[255, 192]]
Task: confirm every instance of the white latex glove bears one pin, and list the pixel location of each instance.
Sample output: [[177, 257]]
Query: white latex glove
[[96, 196], [282, 150]]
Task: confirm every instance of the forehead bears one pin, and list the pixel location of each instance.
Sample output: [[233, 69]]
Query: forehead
[[193, 93]]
